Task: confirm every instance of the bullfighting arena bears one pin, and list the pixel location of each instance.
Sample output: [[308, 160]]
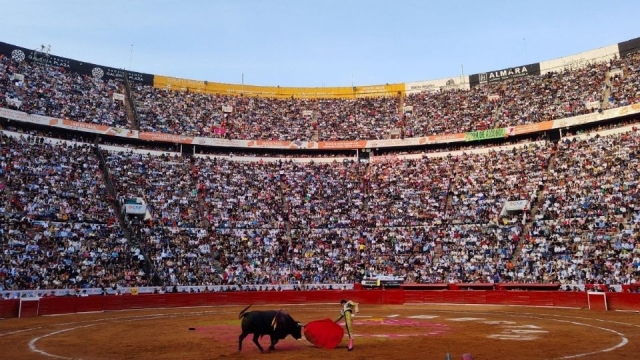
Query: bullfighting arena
[[382, 332]]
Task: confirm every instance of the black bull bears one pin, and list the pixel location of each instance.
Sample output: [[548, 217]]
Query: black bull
[[276, 324]]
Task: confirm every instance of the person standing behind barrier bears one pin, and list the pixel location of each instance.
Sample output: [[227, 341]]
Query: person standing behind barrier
[[348, 309]]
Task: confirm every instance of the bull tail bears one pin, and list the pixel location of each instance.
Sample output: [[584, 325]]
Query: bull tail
[[242, 313]]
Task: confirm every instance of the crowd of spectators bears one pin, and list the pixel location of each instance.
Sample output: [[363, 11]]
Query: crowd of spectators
[[625, 83], [523, 100], [219, 221], [483, 182], [224, 222], [195, 113], [587, 227], [54, 181], [58, 92], [518, 101], [57, 229]]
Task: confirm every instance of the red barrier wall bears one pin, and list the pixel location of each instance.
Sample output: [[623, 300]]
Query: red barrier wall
[[64, 305], [9, 308]]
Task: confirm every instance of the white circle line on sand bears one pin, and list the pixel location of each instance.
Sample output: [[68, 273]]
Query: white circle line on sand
[[624, 341], [34, 348], [20, 331], [155, 316]]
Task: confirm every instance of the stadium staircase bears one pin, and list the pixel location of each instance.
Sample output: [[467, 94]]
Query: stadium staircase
[[130, 116], [365, 181], [496, 116], [534, 210], [606, 92], [285, 211], [5, 179], [437, 253], [130, 104], [129, 233], [203, 209]]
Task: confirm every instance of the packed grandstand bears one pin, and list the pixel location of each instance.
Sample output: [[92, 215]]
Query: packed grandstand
[[112, 180]]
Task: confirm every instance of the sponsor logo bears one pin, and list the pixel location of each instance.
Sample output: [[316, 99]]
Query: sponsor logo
[[18, 55], [46, 59], [504, 74], [119, 74], [97, 73]]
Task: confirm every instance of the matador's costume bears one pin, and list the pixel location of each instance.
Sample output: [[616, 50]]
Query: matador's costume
[[348, 309]]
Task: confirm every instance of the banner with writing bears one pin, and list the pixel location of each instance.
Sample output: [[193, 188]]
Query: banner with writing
[[485, 134], [278, 92], [42, 56], [323, 145], [504, 74]]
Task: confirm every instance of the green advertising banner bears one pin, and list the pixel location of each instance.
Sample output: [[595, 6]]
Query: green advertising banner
[[485, 134]]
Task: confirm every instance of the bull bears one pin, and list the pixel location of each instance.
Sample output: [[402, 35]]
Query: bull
[[276, 324]]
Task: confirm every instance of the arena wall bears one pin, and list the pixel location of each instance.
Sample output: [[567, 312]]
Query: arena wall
[[71, 304]]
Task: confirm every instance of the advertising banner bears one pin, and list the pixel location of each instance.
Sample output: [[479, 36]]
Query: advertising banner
[[518, 205], [504, 74], [579, 61], [379, 90], [41, 56], [135, 209], [324, 145], [22, 116], [447, 138], [485, 134], [514, 207], [166, 82], [628, 47], [535, 127], [177, 139], [454, 82]]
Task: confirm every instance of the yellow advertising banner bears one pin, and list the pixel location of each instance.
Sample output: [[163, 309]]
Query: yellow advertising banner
[[379, 90], [165, 82]]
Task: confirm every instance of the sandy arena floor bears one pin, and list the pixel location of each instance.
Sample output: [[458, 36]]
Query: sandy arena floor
[[382, 332]]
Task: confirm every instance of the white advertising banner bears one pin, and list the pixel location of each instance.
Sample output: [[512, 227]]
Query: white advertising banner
[[596, 116], [14, 102], [321, 145], [518, 205], [135, 209], [453, 82], [615, 72], [592, 105], [578, 61]]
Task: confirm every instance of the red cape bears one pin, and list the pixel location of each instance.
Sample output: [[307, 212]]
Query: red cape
[[324, 333]]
